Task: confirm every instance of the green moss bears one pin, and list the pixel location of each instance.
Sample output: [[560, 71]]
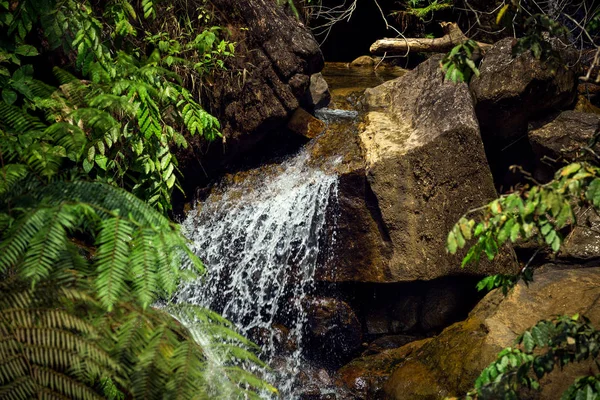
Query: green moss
[[423, 12]]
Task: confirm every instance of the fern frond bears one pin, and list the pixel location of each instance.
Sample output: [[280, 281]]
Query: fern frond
[[196, 119], [69, 136], [47, 245], [16, 240], [143, 267], [45, 350], [17, 120], [112, 259], [10, 175], [104, 197], [149, 8]]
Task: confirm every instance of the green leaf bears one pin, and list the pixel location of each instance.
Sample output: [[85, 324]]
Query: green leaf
[[514, 232], [528, 342], [465, 228], [26, 50], [505, 231], [101, 161], [91, 153], [451, 243], [479, 229], [87, 165], [9, 96], [570, 169]]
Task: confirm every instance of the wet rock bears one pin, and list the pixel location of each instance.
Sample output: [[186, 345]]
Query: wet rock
[[424, 165], [277, 55], [511, 90], [583, 243], [377, 322], [560, 141], [389, 342], [318, 93], [405, 313], [333, 331], [564, 136], [442, 305], [364, 377], [448, 364], [585, 105], [304, 124], [363, 61]]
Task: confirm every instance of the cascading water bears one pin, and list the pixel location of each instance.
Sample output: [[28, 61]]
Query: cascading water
[[261, 241]]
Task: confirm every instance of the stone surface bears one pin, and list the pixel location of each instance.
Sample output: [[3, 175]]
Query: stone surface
[[564, 136], [333, 331], [363, 61], [585, 105], [559, 141], [304, 124], [388, 342], [511, 90], [425, 166], [364, 377], [441, 305], [318, 92], [449, 363], [275, 57], [583, 243]]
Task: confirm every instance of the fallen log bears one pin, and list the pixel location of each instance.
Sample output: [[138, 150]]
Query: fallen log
[[444, 44]]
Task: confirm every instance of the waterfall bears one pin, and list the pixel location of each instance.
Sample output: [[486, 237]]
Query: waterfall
[[261, 240]]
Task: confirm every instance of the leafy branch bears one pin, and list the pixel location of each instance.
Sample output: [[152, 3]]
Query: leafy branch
[[550, 344]]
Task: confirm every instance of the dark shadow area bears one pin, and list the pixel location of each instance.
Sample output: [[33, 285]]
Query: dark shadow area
[[352, 38]]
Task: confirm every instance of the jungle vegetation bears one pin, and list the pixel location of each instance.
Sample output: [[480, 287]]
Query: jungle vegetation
[[92, 107]]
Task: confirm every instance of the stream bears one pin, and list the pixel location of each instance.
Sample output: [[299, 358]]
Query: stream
[[262, 235]]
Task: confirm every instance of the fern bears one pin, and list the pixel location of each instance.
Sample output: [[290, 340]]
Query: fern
[[82, 259], [47, 351]]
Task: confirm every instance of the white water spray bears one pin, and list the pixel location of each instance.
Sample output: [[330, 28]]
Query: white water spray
[[261, 241]]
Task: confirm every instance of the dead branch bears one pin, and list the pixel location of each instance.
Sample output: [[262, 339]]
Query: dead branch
[[443, 44]]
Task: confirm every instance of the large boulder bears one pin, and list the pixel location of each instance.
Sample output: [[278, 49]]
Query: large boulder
[[561, 140], [510, 90], [365, 377], [275, 58], [449, 363], [425, 166]]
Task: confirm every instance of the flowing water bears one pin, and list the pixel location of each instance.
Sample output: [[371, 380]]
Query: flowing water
[[261, 240]]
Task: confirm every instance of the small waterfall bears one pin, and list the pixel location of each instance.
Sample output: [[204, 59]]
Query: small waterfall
[[261, 240]]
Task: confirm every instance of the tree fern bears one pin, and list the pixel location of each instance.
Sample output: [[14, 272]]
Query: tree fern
[[47, 352], [82, 259]]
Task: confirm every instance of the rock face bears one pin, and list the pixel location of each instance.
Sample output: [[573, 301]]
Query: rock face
[[583, 243], [562, 140], [333, 331], [318, 92], [564, 136], [449, 363], [276, 56], [511, 90], [425, 166], [365, 377]]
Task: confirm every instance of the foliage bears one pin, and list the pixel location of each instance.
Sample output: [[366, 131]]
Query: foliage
[[58, 342], [86, 175], [459, 64], [546, 346], [537, 213], [126, 119], [422, 8], [537, 29]]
